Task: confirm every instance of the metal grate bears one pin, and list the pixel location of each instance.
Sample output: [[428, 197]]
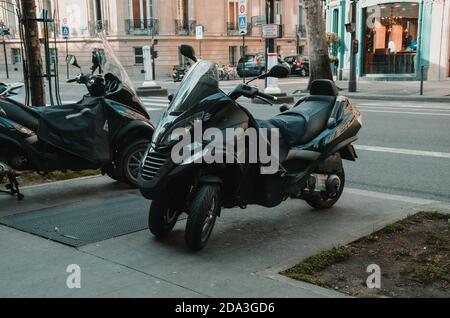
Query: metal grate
[[152, 164]]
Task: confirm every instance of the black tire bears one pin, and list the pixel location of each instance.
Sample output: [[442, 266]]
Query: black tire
[[113, 172], [130, 161], [203, 212], [322, 201], [161, 219]]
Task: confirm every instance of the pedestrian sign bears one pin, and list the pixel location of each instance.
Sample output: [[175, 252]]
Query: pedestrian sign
[[65, 31], [243, 25]]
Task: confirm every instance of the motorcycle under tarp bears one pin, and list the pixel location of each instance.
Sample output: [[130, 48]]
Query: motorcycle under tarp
[[80, 129]]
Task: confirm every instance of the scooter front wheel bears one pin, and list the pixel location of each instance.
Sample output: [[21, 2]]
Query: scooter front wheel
[[162, 219], [203, 212], [131, 161]]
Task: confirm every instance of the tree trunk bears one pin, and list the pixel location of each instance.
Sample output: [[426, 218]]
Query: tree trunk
[[319, 60], [33, 52]]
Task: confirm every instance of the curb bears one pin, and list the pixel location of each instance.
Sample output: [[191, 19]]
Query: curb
[[437, 99]]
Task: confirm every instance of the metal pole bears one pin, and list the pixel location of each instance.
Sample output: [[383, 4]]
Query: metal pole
[[352, 85], [6, 57], [422, 71], [153, 62], [67, 55], [243, 55]]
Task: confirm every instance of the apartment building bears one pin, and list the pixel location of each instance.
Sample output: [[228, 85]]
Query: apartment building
[[132, 24]]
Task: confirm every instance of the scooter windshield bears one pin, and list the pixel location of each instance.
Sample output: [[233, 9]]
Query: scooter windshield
[[111, 64], [201, 82]]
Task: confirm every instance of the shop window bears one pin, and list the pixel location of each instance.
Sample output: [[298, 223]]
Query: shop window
[[390, 38]]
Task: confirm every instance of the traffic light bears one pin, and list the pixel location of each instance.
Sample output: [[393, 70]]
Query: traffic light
[[355, 47]]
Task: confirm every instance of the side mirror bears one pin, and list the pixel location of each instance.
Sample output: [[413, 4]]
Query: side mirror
[[188, 51], [170, 97], [72, 60], [278, 71]]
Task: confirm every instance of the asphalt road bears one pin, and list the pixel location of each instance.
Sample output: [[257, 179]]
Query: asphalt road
[[404, 147]]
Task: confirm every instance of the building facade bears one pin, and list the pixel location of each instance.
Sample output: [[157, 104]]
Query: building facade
[[396, 38], [132, 24]]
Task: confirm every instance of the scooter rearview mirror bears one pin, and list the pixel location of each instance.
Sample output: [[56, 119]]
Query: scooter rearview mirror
[[188, 51], [278, 71], [72, 60]]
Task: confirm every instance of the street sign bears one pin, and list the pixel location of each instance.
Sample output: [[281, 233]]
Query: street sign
[[259, 20], [242, 7], [242, 19], [243, 30], [271, 31], [65, 31], [199, 32]]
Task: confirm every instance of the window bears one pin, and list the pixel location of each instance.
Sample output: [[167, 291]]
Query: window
[[98, 10], [390, 38], [16, 56], [183, 8], [138, 56], [233, 14], [141, 11], [232, 55]]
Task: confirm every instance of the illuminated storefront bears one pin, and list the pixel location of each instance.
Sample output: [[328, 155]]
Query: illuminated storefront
[[391, 38], [394, 37]]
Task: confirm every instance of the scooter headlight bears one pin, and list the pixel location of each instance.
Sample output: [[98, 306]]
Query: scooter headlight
[[24, 130]]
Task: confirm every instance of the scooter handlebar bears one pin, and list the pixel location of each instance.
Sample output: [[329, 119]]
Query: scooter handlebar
[[268, 97]]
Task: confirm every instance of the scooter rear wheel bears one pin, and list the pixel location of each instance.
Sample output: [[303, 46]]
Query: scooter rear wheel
[[203, 213], [323, 201], [161, 219]]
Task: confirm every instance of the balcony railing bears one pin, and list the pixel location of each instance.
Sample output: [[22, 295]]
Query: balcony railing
[[142, 27], [233, 29], [183, 27], [98, 26], [301, 31]]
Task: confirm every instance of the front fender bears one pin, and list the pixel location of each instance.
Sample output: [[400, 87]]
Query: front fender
[[134, 129]]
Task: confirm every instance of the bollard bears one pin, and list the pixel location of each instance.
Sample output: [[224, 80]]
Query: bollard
[[422, 71]]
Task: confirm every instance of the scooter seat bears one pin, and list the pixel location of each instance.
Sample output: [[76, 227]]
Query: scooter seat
[[20, 114], [308, 119], [304, 122]]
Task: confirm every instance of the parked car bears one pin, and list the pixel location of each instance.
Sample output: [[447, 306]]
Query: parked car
[[255, 65], [299, 65]]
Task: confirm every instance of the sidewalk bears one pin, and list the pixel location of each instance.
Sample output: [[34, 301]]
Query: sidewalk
[[247, 250], [434, 91]]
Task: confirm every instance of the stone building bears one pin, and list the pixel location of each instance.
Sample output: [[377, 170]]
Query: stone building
[[131, 24]]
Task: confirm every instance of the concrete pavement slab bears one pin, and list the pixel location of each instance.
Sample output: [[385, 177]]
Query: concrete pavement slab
[[35, 267], [246, 252]]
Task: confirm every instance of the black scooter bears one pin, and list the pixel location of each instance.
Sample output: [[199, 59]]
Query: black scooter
[[313, 137], [178, 73], [108, 129]]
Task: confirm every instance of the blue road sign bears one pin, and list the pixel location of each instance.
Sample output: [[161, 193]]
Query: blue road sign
[[65, 31], [243, 25]]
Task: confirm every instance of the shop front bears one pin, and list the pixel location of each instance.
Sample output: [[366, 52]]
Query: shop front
[[394, 37], [391, 35]]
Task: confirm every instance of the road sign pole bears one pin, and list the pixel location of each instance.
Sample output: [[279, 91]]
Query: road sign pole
[[244, 54]]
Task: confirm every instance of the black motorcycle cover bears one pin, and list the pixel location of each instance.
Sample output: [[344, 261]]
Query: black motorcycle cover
[[80, 129]]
